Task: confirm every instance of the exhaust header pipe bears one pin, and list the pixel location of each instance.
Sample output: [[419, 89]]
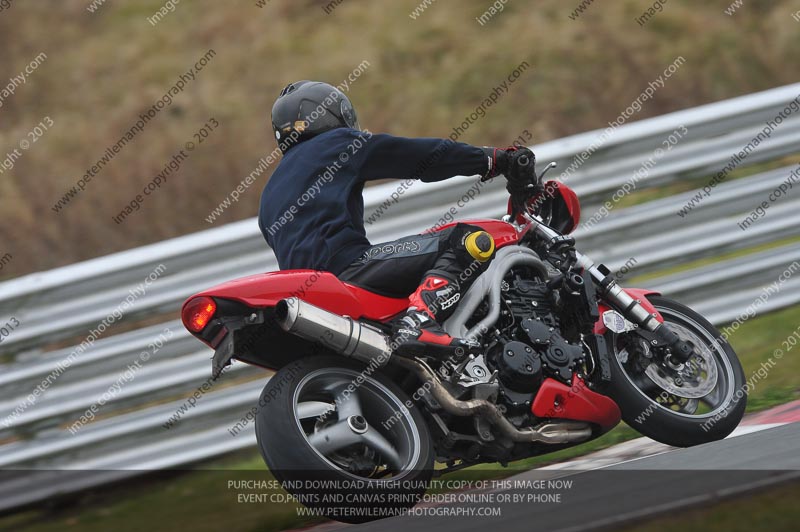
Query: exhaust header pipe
[[342, 334], [553, 432]]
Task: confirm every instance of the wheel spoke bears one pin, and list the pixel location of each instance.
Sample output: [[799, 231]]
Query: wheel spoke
[[691, 406], [308, 409], [347, 403], [335, 437], [712, 399], [376, 441], [347, 440]]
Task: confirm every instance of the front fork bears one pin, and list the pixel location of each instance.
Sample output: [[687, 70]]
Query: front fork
[[662, 336], [679, 351]]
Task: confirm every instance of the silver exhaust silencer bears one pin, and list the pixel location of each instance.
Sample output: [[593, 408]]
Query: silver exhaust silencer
[[342, 334]]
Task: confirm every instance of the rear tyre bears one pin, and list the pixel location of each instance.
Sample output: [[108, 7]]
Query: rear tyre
[[345, 442], [697, 402]]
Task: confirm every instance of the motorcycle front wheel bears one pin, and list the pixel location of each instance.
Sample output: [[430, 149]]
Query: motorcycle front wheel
[[682, 405], [344, 441]]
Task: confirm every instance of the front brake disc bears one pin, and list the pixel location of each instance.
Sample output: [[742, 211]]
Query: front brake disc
[[696, 379]]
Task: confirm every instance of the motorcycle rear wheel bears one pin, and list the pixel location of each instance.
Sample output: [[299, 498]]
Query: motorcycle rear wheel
[[344, 441]]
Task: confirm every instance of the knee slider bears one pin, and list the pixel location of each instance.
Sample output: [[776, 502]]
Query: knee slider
[[479, 245]]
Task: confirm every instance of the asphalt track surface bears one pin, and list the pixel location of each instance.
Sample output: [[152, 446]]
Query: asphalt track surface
[[625, 492]]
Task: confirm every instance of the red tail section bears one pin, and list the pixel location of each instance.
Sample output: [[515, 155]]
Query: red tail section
[[319, 288]]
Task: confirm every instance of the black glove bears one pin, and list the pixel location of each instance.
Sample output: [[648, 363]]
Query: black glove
[[521, 170], [517, 164], [498, 161]]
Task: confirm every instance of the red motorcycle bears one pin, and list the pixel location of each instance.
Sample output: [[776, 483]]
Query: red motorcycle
[[556, 353]]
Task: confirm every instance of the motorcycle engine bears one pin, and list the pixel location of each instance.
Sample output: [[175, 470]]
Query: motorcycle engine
[[532, 346]]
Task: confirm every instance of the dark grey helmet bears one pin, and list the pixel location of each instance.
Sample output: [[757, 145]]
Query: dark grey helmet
[[305, 109]]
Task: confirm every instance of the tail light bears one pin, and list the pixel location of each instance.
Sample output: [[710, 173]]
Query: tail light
[[197, 313]]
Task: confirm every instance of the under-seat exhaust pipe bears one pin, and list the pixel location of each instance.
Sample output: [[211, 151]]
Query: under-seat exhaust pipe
[[342, 334]]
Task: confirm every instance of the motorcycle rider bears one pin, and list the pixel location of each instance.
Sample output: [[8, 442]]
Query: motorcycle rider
[[312, 208]]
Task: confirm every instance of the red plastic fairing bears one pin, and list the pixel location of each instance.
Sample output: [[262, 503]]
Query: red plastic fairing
[[578, 403], [639, 294], [572, 201], [504, 234], [318, 288]]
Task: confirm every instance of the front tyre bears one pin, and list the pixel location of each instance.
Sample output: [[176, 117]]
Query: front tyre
[[688, 404], [344, 441]]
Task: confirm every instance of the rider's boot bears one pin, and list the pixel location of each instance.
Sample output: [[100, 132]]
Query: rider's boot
[[432, 302]]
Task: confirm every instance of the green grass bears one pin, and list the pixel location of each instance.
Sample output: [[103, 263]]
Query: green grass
[[200, 500], [755, 342]]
